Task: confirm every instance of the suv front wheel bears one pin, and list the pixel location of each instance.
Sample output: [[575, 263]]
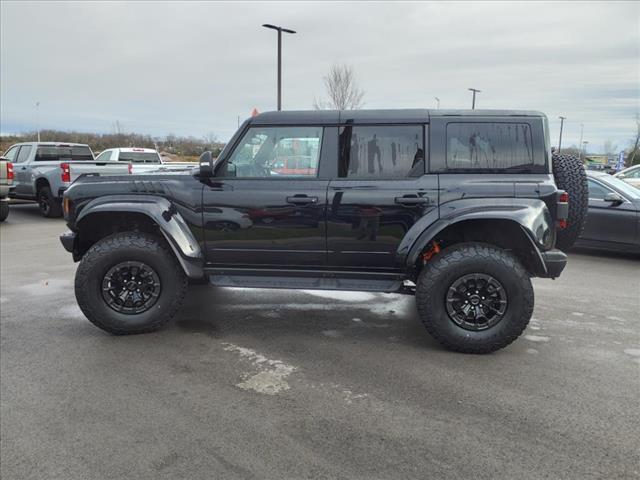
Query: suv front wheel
[[129, 283], [474, 298]]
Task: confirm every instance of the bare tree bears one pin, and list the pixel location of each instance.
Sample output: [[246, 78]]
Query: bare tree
[[342, 89], [633, 156]]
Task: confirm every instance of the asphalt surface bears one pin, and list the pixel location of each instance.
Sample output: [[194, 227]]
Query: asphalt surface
[[278, 384]]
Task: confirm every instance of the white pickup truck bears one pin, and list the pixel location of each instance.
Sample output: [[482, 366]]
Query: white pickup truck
[[44, 170], [143, 160]]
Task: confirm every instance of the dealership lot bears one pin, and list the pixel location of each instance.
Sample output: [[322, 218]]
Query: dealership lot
[[277, 384]]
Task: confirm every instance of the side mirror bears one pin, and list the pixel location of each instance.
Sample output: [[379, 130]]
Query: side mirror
[[613, 198], [206, 165], [621, 175]]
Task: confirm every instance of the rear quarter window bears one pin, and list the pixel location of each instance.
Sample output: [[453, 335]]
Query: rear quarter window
[[491, 147]]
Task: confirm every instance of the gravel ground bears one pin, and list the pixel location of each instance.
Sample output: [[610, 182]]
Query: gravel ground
[[278, 384]]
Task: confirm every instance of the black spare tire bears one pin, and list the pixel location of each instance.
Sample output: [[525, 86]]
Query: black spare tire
[[570, 176]]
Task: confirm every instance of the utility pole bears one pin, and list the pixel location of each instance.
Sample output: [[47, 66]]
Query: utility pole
[[562, 119], [279, 30], [438, 103], [584, 149], [38, 119], [473, 101]]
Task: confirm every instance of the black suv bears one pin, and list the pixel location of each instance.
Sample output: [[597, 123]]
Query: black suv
[[459, 208]]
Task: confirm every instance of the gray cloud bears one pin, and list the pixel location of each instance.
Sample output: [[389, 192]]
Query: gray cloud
[[192, 68]]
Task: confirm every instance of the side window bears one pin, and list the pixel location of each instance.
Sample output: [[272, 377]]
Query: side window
[[272, 152], [597, 191], [24, 153], [104, 156], [504, 147], [382, 151], [11, 154], [634, 173]]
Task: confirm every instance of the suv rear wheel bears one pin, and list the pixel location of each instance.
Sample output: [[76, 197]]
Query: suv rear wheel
[[474, 298], [130, 283]]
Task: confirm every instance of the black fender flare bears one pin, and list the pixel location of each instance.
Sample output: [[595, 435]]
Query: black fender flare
[[164, 214], [531, 215]]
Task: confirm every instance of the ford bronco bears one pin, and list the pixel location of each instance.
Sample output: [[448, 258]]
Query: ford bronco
[[459, 208]]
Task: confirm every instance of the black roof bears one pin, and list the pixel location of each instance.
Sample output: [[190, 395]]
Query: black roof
[[414, 115]]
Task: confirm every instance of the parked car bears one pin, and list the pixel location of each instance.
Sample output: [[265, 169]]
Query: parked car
[[6, 184], [44, 170], [613, 220], [143, 160], [462, 225], [630, 175]]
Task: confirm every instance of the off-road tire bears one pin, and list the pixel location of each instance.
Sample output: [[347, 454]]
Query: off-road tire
[[462, 259], [570, 176], [4, 210], [50, 206], [122, 247]]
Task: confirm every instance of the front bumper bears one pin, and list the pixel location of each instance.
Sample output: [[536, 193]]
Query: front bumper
[[554, 263], [68, 240]]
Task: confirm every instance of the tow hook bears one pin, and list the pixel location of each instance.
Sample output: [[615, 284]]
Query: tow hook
[[434, 249]]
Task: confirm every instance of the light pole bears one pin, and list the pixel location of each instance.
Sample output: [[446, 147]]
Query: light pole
[[279, 30], [584, 149], [38, 119], [438, 103], [473, 101], [581, 132], [562, 119]]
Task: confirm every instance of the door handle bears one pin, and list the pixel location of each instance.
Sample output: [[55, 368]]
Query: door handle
[[302, 199], [412, 200]]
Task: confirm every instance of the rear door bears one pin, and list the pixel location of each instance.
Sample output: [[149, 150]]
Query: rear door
[[266, 206], [380, 191]]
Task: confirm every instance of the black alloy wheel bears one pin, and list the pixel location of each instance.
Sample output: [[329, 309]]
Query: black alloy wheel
[[476, 301], [131, 287]]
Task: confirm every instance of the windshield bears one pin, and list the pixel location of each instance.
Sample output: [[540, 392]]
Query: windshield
[[55, 153], [139, 157]]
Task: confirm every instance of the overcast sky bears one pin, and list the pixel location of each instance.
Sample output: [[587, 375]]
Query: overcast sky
[[191, 68]]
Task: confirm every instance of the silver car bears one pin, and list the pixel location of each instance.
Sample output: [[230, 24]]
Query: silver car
[[630, 175]]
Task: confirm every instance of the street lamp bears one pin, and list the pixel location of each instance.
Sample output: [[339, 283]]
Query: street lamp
[[581, 133], [279, 30], [562, 119], [584, 149], [473, 101], [38, 119], [438, 102]]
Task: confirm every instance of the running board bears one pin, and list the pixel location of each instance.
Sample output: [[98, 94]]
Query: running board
[[307, 281]]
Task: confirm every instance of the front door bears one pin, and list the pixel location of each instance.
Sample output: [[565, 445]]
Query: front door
[[609, 222], [380, 192], [266, 206]]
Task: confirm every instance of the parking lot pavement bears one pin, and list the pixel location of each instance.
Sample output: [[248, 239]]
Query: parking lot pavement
[[277, 384]]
